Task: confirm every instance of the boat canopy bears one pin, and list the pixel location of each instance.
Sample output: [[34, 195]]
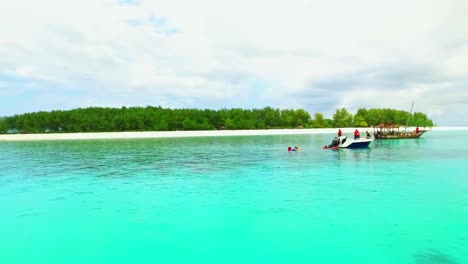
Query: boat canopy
[[387, 126]]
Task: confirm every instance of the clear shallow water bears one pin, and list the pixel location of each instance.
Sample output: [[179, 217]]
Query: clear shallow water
[[235, 200]]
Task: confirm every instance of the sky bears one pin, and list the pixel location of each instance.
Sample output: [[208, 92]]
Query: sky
[[314, 55]]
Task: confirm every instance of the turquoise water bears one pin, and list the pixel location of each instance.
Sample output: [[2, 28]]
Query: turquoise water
[[235, 200]]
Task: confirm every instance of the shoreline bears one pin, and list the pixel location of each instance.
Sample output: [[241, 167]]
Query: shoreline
[[180, 134]]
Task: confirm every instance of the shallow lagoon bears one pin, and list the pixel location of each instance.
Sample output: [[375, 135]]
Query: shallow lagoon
[[235, 199]]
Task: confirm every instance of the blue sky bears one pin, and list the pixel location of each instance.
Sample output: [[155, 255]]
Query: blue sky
[[315, 55]]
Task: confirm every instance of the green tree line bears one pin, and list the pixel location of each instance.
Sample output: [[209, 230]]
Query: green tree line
[[150, 118]]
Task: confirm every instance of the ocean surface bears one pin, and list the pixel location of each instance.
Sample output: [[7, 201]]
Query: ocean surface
[[241, 199]]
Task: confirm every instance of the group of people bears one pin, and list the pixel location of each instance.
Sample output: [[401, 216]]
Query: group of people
[[357, 135], [336, 141], [296, 148]]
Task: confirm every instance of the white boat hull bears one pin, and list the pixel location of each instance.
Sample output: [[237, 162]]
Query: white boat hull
[[354, 143]]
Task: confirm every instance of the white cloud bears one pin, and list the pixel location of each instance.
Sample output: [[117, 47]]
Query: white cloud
[[211, 53]]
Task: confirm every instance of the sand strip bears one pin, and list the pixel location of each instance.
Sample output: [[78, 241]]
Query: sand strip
[[178, 134]]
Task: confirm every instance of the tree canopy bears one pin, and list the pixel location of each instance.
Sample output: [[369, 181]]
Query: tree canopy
[[150, 118]]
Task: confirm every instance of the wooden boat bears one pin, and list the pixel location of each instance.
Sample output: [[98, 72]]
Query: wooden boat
[[393, 132], [390, 131]]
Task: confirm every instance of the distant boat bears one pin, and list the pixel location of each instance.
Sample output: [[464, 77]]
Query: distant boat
[[393, 132]]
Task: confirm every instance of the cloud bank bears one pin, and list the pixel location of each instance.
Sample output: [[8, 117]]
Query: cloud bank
[[316, 55]]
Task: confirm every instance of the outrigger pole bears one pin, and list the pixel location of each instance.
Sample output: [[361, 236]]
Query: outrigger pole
[[411, 111]]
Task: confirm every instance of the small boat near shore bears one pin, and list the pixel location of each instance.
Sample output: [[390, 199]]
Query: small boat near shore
[[393, 132], [344, 142]]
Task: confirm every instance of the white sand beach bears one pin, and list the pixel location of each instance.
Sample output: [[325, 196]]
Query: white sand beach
[[178, 134], [161, 134]]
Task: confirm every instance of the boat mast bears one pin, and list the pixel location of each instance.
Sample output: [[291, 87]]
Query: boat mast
[[411, 111]]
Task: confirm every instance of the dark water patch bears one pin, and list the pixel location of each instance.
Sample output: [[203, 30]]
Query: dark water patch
[[433, 256], [57, 198], [33, 214]]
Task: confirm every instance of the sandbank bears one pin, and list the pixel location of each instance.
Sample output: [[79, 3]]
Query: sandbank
[[179, 134]]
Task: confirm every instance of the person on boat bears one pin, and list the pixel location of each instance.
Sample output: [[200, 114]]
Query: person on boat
[[339, 132], [378, 134], [417, 129], [368, 135], [356, 134]]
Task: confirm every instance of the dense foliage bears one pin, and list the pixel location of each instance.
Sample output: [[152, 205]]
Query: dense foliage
[[97, 119]]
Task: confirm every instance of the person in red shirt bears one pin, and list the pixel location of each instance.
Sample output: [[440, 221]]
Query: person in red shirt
[[339, 133], [356, 134], [417, 129]]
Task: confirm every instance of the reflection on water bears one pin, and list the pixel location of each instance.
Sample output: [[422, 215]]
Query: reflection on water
[[392, 143], [353, 154], [433, 256]]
